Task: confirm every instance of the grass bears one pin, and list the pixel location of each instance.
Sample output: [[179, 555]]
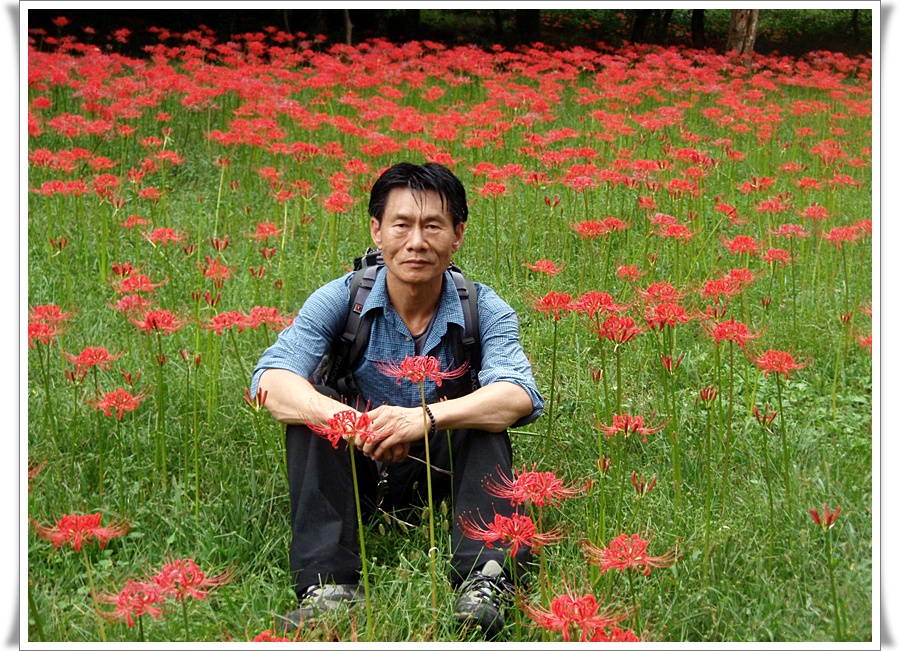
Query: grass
[[659, 117]]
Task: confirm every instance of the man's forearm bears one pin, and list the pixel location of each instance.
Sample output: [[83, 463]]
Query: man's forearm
[[292, 400], [492, 408]]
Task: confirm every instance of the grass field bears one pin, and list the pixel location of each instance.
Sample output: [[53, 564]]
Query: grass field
[[686, 240]]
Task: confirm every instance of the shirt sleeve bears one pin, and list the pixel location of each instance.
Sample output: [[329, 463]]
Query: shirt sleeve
[[301, 346], [502, 356]]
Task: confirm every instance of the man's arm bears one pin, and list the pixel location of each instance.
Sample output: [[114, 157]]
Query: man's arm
[[292, 400], [492, 408]]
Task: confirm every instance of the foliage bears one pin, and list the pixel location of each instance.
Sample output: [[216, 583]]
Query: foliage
[[217, 179]]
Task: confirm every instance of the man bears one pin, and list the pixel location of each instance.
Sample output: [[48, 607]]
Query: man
[[418, 219]]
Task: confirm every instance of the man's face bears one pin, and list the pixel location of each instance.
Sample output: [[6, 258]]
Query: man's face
[[416, 236]]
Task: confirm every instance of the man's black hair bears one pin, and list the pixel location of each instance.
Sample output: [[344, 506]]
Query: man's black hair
[[420, 178]]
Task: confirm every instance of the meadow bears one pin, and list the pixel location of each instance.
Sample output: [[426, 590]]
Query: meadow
[[686, 238]]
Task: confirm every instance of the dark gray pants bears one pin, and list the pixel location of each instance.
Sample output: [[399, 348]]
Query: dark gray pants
[[325, 542]]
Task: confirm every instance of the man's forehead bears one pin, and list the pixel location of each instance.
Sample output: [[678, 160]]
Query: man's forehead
[[426, 201]]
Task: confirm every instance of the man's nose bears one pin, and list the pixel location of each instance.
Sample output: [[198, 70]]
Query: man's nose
[[416, 239]]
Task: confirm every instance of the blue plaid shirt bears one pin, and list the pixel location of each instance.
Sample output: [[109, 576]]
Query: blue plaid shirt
[[300, 346]]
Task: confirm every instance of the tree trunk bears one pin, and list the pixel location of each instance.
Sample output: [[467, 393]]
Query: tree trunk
[[528, 25], [348, 27], [662, 25], [742, 31], [639, 26], [697, 29]]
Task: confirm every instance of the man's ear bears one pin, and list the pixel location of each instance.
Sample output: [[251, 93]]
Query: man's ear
[[375, 229], [458, 230]]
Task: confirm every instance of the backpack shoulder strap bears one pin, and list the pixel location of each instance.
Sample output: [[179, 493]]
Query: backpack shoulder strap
[[471, 339]]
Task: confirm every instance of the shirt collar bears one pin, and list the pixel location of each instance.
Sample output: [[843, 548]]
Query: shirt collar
[[449, 309]]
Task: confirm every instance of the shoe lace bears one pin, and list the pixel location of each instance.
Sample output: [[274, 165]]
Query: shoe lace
[[488, 588]]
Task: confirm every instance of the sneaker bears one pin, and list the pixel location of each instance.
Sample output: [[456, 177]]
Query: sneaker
[[319, 600], [480, 599]]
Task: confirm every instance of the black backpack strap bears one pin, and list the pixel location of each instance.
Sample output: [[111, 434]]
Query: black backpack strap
[[348, 346], [471, 340]]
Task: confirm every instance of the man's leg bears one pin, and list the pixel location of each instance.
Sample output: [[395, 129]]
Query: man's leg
[[325, 541]]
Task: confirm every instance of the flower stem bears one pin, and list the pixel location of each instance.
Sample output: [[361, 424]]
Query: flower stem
[[834, 595], [728, 425], [362, 542], [90, 579], [784, 445], [432, 548], [552, 390]]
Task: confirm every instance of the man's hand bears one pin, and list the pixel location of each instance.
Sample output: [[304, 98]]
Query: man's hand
[[395, 429]]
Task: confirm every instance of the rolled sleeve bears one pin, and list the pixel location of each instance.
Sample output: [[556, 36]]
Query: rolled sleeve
[[301, 346], [502, 356]]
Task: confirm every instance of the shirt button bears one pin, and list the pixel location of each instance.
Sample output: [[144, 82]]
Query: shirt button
[[409, 339]]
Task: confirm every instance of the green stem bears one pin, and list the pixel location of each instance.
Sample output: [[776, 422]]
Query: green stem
[[728, 425], [362, 542], [432, 549], [552, 392], [784, 445], [834, 594], [90, 579]]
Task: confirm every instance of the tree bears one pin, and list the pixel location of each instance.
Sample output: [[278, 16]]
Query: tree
[[528, 25], [698, 36], [742, 31]]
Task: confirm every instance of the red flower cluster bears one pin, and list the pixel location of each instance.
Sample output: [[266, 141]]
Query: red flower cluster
[[626, 552], [79, 529], [539, 488]]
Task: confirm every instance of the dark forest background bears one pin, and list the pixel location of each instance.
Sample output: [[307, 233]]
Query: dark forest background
[[785, 31]]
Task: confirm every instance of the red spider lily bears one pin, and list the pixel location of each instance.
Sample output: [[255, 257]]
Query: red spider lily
[[865, 341], [49, 313], [347, 424], [615, 634], [545, 267], [514, 531], [219, 244], [258, 402], [492, 190], [777, 361], [639, 486], [268, 316], [618, 329], [593, 302], [164, 236], [731, 330], [138, 283], [136, 599], [708, 394], [840, 234], [764, 418], [717, 287], [42, 332], [678, 232], [626, 552], [741, 244], [790, 230], [133, 304], [420, 368], [591, 229], [226, 320], [827, 519], [160, 321], [181, 578], [264, 231], [79, 529], [539, 488], [553, 302], [661, 292], [671, 365], [268, 636], [338, 202], [568, 614], [119, 401], [663, 315], [90, 357], [626, 425], [216, 270], [628, 272], [815, 212], [743, 277], [777, 255]]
